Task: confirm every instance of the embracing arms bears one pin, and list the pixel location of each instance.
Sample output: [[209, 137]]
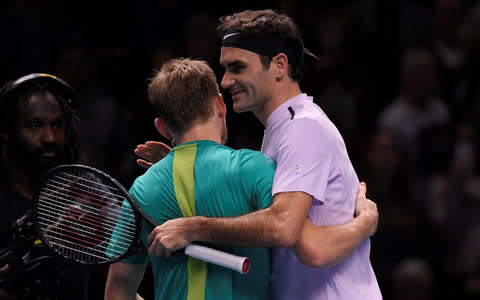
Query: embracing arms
[[283, 224]]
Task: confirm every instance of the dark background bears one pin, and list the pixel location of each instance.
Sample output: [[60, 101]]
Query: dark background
[[428, 242]]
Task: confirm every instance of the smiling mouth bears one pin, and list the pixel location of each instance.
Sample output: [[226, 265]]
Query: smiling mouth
[[237, 93]]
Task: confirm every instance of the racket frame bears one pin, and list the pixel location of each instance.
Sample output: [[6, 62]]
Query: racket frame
[[136, 245]]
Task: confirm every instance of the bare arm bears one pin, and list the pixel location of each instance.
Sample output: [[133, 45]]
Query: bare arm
[[276, 226], [123, 281], [323, 246]]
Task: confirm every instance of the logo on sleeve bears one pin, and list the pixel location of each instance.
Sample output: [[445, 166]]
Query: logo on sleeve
[[298, 169]]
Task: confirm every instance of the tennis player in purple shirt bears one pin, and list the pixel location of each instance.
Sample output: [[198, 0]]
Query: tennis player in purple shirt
[[320, 250], [311, 158]]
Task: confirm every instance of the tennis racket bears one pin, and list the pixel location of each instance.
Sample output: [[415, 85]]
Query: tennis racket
[[86, 216]]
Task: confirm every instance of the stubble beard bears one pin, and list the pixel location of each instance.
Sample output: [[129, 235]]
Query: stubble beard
[[31, 162]]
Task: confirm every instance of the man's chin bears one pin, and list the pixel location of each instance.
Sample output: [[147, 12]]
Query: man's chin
[[46, 163], [239, 108]]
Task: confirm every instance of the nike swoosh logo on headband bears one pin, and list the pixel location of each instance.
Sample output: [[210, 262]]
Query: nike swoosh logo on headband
[[230, 34]]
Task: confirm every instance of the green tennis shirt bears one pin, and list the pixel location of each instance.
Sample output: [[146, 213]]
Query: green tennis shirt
[[207, 179]]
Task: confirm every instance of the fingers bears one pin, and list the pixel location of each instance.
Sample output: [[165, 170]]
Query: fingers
[[361, 203], [150, 153], [144, 164], [362, 189], [163, 242], [366, 209], [158, 146], [145, 152], [374, 212], [156, 248]]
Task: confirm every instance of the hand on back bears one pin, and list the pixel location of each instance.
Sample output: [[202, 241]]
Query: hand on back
[[150, 153]]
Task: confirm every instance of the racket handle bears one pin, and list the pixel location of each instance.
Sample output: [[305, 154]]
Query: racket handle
[[237, 263]]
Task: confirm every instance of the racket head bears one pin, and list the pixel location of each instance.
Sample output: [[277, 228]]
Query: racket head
[[85, 215]]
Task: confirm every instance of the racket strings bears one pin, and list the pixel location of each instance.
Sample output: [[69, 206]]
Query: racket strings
[[93, 216], [75, 190], [56, 197], [81, 216], [44, 213]]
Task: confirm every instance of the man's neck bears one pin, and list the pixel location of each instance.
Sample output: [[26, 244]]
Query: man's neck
[[280, 96], [206, 131]]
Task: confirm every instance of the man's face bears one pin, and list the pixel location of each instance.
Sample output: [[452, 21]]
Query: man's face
[[37, 141], [249, 83]]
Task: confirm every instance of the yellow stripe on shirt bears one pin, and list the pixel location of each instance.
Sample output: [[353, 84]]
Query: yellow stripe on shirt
[[183, 181]]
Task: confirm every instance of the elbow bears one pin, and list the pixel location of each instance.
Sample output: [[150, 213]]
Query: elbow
[[311, 257], [284, 241], [284, 235], [321, 262], [285, 226]]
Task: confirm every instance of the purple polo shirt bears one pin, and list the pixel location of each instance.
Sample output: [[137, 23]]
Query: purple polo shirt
[[311, 157]]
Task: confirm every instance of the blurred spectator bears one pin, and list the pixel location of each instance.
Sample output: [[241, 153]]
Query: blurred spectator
[[384, 169], [416, 114], [401, 232], [455, 49], [413, 280], [453, 208]]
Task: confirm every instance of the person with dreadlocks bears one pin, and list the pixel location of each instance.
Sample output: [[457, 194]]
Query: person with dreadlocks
[[38, 130]]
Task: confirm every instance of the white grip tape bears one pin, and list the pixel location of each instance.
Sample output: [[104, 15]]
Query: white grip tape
[[237, 263]]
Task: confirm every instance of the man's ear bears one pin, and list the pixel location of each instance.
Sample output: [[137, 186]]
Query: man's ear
[[161, 127], [280, 63], [221, 107]]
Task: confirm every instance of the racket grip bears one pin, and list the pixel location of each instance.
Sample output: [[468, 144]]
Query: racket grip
[[234, 262]]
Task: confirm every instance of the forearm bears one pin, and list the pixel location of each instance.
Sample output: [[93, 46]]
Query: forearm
[[119, 292], [279, 225], [123, 281], [276, 226], [259, 229], [324, 246]]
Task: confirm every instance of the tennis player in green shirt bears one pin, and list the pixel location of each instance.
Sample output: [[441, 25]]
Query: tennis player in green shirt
[[199, 176]]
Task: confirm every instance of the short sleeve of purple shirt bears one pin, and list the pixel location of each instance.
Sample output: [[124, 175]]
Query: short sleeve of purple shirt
[[298, 165]]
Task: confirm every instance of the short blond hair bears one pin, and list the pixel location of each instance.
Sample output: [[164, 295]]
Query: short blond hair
[[182, 93]]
